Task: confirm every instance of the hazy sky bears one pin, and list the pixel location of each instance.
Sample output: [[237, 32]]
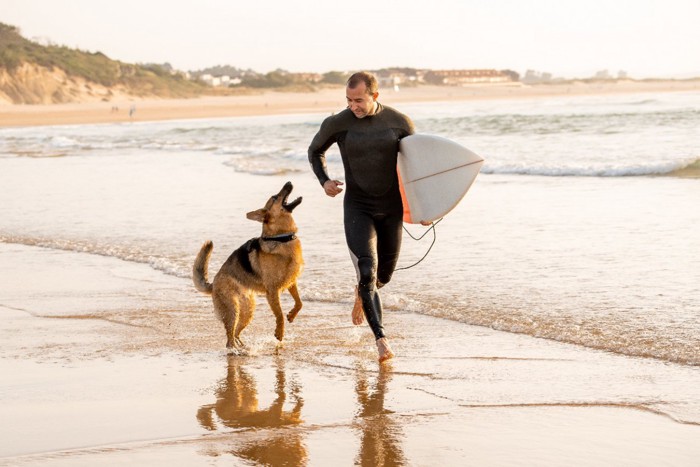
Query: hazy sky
[[568, 38]]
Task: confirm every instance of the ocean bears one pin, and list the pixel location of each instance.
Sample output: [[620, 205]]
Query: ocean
[[582, 227]]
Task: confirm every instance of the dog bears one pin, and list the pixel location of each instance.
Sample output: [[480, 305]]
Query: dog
[[267, 265]]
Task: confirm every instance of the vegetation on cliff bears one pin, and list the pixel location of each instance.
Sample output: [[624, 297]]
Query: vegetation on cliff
[[86, 69]]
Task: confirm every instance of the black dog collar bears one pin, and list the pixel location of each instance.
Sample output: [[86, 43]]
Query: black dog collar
[[284, 238]]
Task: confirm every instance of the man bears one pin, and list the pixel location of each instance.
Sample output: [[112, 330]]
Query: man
[[368, 135]]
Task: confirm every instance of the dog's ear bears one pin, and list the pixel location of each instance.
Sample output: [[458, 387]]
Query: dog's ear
[[290, 207], [260, 215]]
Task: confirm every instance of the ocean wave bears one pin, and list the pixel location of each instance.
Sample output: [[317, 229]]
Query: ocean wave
[[199, 130], [595, 122], [681, 168], [643, 102], [253, 168], [691, 170], [37, 154], [172, 266], [610, 336], [63, 142], [607, 335], [277, 161]]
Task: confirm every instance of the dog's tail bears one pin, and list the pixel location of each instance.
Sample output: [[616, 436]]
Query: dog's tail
[[200, 269]]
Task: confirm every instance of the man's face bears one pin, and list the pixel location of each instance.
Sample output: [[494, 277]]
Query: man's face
[[359, 101]]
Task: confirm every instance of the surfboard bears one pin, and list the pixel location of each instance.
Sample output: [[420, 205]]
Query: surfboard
[[434, 174]]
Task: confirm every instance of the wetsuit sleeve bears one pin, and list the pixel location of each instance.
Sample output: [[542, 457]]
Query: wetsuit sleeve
[[400, 123], [317, 151], [409, 128]]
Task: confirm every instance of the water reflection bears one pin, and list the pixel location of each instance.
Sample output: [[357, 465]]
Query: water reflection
[[237, 406], [380, 443]]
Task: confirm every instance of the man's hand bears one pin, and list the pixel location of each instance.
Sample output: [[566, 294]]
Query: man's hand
[[332, 187]]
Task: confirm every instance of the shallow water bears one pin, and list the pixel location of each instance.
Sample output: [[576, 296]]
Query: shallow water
[[576, 230]]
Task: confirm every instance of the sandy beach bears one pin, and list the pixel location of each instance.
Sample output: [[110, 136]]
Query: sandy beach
[[323, 101], [113, 362]]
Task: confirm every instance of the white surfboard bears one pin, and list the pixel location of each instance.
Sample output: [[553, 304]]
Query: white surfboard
[[435, 173]]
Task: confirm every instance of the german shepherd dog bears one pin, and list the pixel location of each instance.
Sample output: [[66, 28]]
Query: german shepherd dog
[[266, 264]]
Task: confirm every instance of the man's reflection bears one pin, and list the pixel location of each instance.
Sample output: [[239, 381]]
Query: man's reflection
[[237, 406], [381, 433]]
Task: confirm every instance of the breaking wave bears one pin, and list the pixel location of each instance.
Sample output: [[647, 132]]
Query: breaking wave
[[687, 168]]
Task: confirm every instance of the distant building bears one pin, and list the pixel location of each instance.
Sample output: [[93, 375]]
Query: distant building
[[42, 40], [465, 77], [534, 77], [392, 80], [219, 81], [307, 77]]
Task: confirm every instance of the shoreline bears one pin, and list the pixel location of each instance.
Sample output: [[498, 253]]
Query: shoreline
[[323, 101]]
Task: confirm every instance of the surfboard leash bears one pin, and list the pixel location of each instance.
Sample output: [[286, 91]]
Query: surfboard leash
[[432, 227]]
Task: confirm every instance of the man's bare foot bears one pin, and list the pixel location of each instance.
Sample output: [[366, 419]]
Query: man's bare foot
[[358, 314], [385, 352]]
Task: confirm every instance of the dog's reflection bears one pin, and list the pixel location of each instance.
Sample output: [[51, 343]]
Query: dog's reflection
[[237, 406], [381, 435]]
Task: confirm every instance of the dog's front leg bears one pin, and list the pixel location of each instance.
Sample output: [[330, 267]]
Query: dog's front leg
[[273, 299], [297, 302]]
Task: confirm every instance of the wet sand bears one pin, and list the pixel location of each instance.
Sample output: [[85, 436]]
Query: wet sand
[[106, 362], [324, 101]]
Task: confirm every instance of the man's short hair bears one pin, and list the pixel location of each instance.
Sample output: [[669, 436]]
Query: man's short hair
[[364, 77]]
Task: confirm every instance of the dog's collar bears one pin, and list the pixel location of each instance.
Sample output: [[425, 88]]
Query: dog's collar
[[283, 238]]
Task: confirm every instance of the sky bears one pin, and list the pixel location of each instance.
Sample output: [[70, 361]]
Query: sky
[[645, 38]]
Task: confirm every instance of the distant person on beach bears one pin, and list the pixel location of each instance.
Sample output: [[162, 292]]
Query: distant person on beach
[[368, 135]]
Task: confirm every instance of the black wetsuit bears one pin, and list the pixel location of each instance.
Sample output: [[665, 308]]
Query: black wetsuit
[[373, 208]]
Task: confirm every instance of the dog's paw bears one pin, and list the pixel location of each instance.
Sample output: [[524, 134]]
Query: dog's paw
[[293, 313], [237, 352], [279, 334]]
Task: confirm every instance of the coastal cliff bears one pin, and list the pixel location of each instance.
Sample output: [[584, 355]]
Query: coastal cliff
[[31, 73]]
